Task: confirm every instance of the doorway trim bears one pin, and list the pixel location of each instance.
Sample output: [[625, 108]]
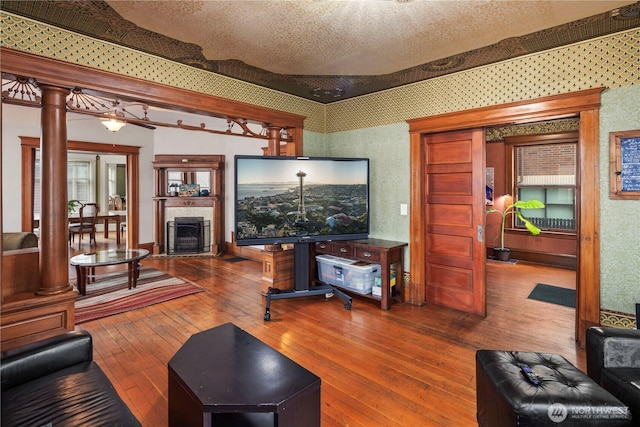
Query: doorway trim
[[584, 104], [30, 144]]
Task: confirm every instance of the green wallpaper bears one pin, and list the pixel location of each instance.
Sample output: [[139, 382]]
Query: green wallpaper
[[619, 219], [387, 147]]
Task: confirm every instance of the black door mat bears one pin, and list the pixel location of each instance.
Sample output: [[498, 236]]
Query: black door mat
[[554, 295]]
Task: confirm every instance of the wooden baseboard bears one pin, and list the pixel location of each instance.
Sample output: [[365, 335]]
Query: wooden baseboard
[[543, 258], [249, 252]]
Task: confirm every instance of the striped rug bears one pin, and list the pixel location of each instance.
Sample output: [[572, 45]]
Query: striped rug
[[110, 295]]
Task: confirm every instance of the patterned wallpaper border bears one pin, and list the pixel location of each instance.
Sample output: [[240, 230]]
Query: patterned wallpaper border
[[610, 61], [35, 37], [566, 69], [617, 319]]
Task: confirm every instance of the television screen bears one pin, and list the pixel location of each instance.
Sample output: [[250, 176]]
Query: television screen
[[300, 199]]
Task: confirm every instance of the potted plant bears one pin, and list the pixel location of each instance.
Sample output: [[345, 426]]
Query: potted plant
[[501, 252], [71, 206]]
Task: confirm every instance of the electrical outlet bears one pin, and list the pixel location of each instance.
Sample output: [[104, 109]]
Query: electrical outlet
[[403, 209]]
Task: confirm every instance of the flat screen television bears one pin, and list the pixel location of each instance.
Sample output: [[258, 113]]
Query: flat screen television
[[300, 199]]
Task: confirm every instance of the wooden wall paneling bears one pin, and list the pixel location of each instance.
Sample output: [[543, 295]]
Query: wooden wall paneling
[[35, 318]]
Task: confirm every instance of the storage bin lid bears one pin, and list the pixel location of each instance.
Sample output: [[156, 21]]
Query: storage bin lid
[[361, 266]]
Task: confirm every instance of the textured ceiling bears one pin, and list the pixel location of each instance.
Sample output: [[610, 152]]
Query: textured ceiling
[[327, 50]]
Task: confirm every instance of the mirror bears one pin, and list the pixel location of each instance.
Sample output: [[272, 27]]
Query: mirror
[[176, 178]]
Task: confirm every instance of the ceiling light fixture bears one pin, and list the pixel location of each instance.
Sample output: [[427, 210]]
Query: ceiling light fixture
[[111, 123]]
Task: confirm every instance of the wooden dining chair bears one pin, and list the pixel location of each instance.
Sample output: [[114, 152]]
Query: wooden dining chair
[[86, 224], [118, 204]]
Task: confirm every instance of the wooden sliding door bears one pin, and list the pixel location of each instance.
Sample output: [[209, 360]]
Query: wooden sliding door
[[455, 211]]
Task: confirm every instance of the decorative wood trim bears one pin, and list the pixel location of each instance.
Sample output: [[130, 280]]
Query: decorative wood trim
[[586, 104], [94, 147], [55, 72], [541, 109], [588, 257]]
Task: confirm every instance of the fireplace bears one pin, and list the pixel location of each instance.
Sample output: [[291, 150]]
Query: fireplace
[[188, 235]]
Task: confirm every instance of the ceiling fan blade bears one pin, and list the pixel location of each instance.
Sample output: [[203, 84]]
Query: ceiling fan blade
[[142, 125]]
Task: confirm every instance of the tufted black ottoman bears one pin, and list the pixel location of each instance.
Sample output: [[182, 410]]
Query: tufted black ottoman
[[564, 397]]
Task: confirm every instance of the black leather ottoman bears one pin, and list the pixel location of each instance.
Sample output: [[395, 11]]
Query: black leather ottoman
[[565, 397]]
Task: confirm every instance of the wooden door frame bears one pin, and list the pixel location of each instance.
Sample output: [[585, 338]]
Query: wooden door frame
[[583, 104], [29, 146]]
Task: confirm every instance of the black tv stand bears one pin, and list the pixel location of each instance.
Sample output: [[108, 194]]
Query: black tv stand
[[302, 283]]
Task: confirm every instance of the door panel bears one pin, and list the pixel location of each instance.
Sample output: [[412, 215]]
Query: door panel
[[449, 182], [455, 211], [455, 215], [447, 245]]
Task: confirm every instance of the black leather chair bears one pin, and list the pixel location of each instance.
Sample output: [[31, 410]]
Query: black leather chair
[[613, 361], [55, 382], [564, 397]]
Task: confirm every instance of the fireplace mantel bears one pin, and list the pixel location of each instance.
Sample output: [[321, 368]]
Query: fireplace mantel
[[184, 202], [187, 167]]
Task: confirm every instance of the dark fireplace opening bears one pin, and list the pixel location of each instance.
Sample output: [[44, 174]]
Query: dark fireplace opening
[[188, 235]]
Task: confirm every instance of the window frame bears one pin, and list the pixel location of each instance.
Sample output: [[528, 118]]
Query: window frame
[[72, 180], [511, 145]]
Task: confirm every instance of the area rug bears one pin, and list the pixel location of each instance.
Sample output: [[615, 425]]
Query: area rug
[[111, 296], [554, 295]]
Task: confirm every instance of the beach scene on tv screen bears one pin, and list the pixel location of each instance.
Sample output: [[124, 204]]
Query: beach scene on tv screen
[[298, 198]]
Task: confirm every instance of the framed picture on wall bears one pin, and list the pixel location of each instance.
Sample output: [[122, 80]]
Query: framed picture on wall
[[624, 165], [489, 186]]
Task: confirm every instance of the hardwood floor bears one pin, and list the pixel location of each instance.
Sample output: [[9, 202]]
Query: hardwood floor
[[410, 366]]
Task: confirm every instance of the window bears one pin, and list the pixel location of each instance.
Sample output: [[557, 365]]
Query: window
[[79, 183], [544, 168], [79, 180], [112, 180]]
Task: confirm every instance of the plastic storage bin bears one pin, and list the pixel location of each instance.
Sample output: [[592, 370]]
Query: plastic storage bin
[[356, 276]]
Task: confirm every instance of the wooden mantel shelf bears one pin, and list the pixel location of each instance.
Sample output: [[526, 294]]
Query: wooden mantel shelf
[[181, 202]]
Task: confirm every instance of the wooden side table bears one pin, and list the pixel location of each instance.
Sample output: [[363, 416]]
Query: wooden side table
[[375, 251]]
